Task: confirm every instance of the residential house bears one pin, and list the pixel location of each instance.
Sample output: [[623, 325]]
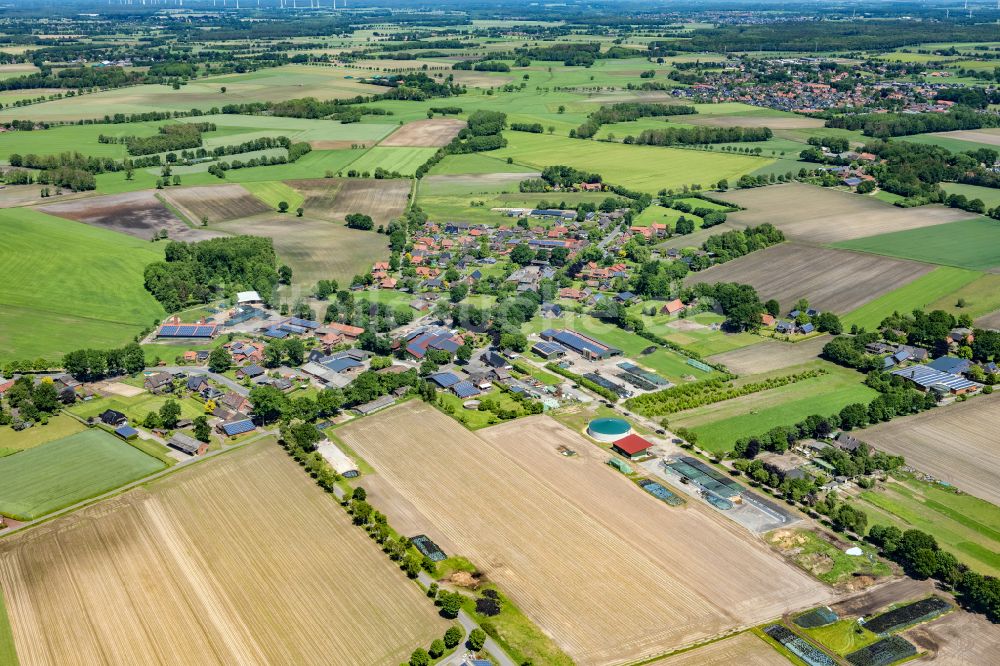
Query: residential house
[[160, 382], [250, 371], [234, 402], [113, 418], [672, 307], [197, 383]]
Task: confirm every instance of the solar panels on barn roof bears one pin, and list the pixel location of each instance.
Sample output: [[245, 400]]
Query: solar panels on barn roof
[[238, 427], [187, 331], [465, 389], [304, 323], [276, 333], [444, 379]]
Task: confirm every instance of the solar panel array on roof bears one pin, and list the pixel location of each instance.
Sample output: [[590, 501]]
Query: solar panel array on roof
[[126, 431], [304, 323], [238, 427], [547, 349], [465, 389], [580, 343], [444, 379], [292, 328], [187, 331], [926, 376], [276, 333]]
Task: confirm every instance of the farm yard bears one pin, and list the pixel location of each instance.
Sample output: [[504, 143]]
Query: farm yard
[[956, 444], [141, 214], [745, 649], [143, 559], [824, 215], [972, 244], [599, 518], [67, 303], [831, 280], [55, 475], [425, 133]]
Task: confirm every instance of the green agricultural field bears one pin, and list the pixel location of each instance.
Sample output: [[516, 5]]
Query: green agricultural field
[[8, 655], [719, 425], [475, 163], [981, 297], [988, 195], [296, 129], [69, 470], [661, 215], [59, 426], [404, 160], [946, 142], [972, 244], [273, 193], [644, 168], [57, 297], [926, 289], [966, 526], [455, 207]]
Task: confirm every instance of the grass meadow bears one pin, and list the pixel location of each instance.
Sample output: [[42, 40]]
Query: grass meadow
[[972, 244], [59, 426], [58, 294], [273, 193], [53, 476], [940, 284], [964, 525]]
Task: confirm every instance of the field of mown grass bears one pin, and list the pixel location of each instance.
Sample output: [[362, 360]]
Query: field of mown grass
[[981, 296], [719, 425], [59, 425], [965, 526], [8, 655], [842, 637], [273, 192], [972, 244], [643, 168], [988, 195], [55, 475], [404, 160], [57, 296], [943, 282], [136, 407]]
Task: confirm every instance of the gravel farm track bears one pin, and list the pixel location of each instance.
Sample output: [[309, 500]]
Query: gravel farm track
[[957, 444], [833, 280], [502, 496], [237, 560], [823, 215]]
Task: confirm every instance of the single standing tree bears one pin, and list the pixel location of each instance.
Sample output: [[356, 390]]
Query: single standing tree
[[282, 206], [477, 638]]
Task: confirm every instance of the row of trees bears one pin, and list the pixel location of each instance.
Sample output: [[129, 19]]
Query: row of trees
[[625, 112]]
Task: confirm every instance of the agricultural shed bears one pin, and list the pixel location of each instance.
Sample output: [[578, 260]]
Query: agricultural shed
[[126, 432], [584, 346], [235, 428], [113, 417], [375, 405], [248, 297], [549, 350], [632, 446], [465, 389], [187, 444], [187, 331], [444, 379]]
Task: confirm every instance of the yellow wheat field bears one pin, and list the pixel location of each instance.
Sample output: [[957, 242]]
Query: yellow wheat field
[[239, 560]]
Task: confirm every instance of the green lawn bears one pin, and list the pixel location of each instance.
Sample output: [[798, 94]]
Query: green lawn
[[926, 289], [644, 168], [719, 425], [972, 244], [964, 525], [842, 636], [474, 419], [703, 341], [57, 296], [59, 425], [61, 473], [136, 407], [272, 193], [8, 655]]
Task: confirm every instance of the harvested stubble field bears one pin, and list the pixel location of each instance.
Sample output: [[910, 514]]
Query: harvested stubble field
[[958, 639], [745, 649], [256, 563], [431, 133], [770, 355], [138, 214], [218, 203], [315, 249], [319, 197], [824, 215], [832, 280], [682, 565], [956, 443]]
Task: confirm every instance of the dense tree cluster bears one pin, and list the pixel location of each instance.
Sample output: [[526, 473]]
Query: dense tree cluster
[[197, 272], [627, 111], [739, 302], [89, 365], [882, 125], [671, 136]]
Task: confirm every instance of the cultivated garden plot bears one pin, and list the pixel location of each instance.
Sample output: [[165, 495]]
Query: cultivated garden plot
[[683, 563], [216, 203], [957, 444], [831, 280], [745, 649], [824, 215], [140, 214], [256, 562]]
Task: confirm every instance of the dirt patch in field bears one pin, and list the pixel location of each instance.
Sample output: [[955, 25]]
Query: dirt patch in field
[[776, 122], [686, 325], [218, 203], [770, 355], [138, 214], [880, 596], [744, 649], [957, 444], [958, 639], [434, 132], [833, 280], [824, 215], [118, 388], [682, 579], [977, 136], [474, 179]]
